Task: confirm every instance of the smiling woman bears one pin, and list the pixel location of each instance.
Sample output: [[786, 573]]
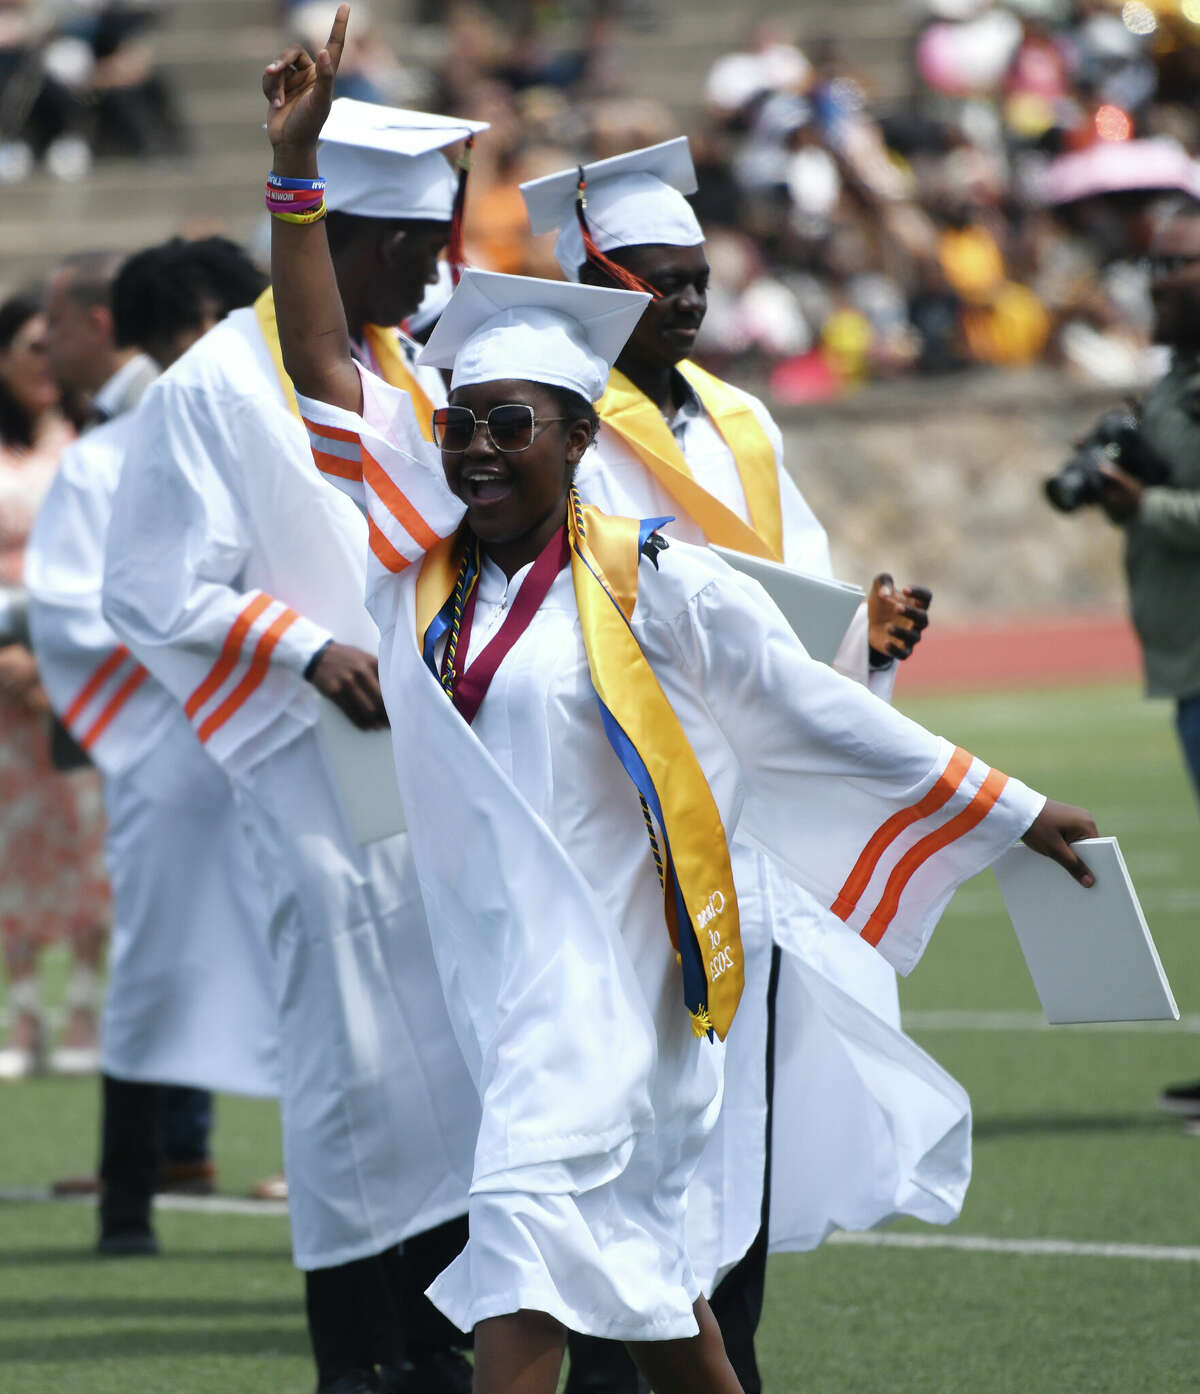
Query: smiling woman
[[513, 475]]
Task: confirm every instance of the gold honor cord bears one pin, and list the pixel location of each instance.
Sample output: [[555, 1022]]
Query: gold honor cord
[[635, 418], [383, 344]]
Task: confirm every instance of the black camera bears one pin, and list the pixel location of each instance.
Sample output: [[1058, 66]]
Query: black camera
[[1116, 438]]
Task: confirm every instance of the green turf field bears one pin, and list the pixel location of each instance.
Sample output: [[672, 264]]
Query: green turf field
[[1068, 1147]]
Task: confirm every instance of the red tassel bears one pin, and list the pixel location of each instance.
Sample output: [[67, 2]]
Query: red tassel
[[596, 257], [454, 249]]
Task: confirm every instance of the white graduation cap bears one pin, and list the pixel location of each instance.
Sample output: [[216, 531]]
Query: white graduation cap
[[385, 162], [632, 200], [497, 327]]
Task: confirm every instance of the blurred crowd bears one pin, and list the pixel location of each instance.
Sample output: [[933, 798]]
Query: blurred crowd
[[998, 213], [78, 82], [995, 213]]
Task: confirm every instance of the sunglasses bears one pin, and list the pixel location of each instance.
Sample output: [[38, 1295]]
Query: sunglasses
[[511, 427]]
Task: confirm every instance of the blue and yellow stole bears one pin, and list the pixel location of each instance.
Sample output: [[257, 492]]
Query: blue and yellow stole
[[690, 848]]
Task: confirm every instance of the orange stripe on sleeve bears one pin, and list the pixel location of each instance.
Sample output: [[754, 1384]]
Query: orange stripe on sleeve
[[958, 826], [222, 668], [941, 793], [94, 684], [396, 502], [253, 677], [336, 465], [107, 716], [319, 428], [387, 554]]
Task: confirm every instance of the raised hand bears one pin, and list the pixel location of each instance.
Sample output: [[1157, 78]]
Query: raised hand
[[896, 618], [300, 90]]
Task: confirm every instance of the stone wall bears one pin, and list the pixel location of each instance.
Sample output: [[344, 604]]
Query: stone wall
[[941, 483]]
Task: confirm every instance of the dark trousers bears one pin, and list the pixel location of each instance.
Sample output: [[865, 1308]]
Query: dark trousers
[[1187, 723], [143, 1125], [604, 1367], [374, 1311]]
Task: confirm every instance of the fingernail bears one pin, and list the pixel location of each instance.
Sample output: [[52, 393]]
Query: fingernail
[[1089, 880]]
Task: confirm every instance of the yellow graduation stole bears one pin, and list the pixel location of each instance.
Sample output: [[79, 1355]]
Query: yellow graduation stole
[[383, 344], [699, 899], [628, 411]]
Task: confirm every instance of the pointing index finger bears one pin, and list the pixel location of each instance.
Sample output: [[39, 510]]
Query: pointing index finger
[[337, 36]]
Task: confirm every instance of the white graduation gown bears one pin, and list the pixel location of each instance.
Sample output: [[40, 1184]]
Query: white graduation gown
[[190, 997], [533, 861], [228, 565], [920, 1163]]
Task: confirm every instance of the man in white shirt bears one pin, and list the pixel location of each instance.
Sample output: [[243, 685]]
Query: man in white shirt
[[79, 338]]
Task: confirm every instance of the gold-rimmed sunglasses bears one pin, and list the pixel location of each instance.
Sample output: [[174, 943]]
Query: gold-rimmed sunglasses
[[511, 427]]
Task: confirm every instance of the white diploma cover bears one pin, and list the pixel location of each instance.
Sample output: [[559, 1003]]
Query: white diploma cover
[[819, 610], [365, 775], [1089, 952]]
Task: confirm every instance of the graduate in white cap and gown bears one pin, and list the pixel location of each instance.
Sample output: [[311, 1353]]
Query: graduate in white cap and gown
[[582, 716], [189, 998], [676, 440], [236, 577]]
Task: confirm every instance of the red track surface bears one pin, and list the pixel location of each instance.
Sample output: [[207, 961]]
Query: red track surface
[[1032, 652]]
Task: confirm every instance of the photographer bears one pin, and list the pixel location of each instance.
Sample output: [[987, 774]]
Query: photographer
[[1149, 484]]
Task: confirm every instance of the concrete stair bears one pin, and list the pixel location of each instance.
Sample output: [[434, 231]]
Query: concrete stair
[[212, 52]]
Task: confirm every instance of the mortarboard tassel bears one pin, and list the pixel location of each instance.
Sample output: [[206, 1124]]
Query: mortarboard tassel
[[454, 250], [596, 257]]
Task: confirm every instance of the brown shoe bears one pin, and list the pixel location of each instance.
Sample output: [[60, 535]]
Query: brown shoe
[[187, 1178], [75, 1186], [270, 1188]]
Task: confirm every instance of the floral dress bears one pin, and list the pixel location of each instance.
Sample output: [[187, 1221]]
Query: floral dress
[[53, 883]]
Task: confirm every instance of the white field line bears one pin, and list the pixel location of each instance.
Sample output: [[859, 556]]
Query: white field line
[[1040, 1248], [874, 1239], [957, 1020], [200, 1205]]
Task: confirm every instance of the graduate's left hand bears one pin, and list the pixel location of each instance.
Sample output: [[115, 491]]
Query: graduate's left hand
[[896, 619], [300, 89], [1053, 831], [349, 677]]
